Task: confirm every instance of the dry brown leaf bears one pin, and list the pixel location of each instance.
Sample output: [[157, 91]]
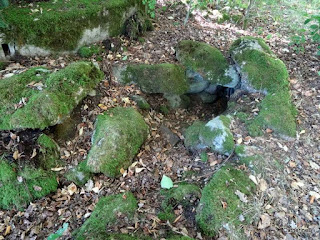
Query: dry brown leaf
[[265, 221]]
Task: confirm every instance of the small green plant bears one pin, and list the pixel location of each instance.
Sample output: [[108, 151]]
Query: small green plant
[[298, 41], [150, 7], [314, 29]]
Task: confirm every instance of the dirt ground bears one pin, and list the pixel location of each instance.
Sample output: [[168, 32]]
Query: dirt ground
[[286, 208]]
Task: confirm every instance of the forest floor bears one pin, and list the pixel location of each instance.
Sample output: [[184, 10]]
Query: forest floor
[[286, 206]]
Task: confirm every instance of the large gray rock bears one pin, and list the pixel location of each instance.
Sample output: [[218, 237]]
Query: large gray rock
[[118, 136]]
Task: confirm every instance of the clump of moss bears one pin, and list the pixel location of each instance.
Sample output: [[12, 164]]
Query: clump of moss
[[49, 151], [141, 102], [243, 117], [119, 236], [184, 195], [44, 99], [163, 78], [109, 211], [23, 26], [211, 213], [3, 65], [204, 59], [192, 133], [119, 134], [87, 52], [18, 187], [164, 109], [80, 174]]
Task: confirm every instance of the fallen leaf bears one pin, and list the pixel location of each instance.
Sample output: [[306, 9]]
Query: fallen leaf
[[263, 186], [314, 165], [253, 179], [265, 221], [8, 229], [224, 205], [72, 188], [166, 182], [15, 155]]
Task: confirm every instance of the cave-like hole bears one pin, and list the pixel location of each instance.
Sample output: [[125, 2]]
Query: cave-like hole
[[6, 49]]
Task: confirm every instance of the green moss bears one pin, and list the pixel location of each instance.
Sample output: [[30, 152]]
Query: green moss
[[278, 113], [109, 212], [49, 151], [159, 78], [264, 72], [239, 150], [80, 174], [64, 21], [204, 157], [242, 116], [204, 59], [87, 52], [141, 102], [164, 109], [3, 65], [192, 134], [118, 236], [60, 92], [35, 183], [177, 196], [211, 214], [119, 134]]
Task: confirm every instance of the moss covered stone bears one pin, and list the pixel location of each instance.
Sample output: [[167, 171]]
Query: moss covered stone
[[38, 99], [141, 102], [215, 135], [261, 71], [163, 78], [108, 212], [49, 152], [211, 213], [18, 186], [119, 134], [206, 60], [80, 174], [65, 25], [3, 65], [183, 195]]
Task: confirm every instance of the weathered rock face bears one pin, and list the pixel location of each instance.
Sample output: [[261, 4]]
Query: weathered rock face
[[38, 98], [19, 187], [206, 61], [215, 135], [80, 22], [106, 215], [261, 71], [211, 214], [119, 134]]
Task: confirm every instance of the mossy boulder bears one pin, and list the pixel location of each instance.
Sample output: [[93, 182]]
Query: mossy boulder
[[208, 61], [79, 174], [141, 102], [109, 212], [118, 136], [259, 68], [185, 194], [61, 26], [261, 71], [215, 135], [219, 203], [162, 78], [20, 186], [49, 152], [38, 98]]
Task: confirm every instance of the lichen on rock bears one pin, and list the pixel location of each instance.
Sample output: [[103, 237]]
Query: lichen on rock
[[118, 136], [215, 135], [108, 212], [38, 98]]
